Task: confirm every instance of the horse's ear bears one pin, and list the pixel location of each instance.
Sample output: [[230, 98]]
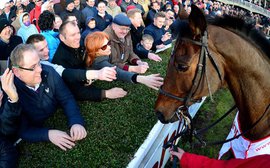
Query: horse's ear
[[182, 12], [197, 21]]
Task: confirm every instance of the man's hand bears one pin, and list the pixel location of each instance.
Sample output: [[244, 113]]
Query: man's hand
[[153, 81], [107, 74], [166, 37], [140, 62], [141, 69], [154, 57], [160, 46], [115, 93], [77, 132], [8, 86], [61, 139]]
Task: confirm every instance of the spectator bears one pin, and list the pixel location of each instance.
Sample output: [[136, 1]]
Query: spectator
[[139, 6], [90, 28], [78, 5], [71, 11], [70, 54], [136, 33], [34, 13], [27, 6], [16, 23], [26, 29], [112, 8], [8, 14], [48, 5], [98, 57], [136, 26], [125, 4], [151, 13], [7, 43], [156, 30], [46, 23], [145, 5], [143, 49], [68, 74], [103, 19], [10, 111], [121, 47], [189, 160], [57, 23], [90, 9], [176, 11], [40, 91]]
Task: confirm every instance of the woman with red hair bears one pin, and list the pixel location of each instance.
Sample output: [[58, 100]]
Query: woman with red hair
[[97, 56]]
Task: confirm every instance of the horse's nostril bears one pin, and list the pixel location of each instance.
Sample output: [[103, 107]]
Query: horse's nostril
[[160, 116]]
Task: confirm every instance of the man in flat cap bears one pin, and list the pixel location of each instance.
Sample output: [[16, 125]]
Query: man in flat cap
[[122, 54]]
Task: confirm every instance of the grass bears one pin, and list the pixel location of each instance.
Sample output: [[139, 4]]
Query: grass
[[117, 128]]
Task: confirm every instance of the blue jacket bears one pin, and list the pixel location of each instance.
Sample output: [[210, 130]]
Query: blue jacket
[[103, 23], [53, 41], [141, 51], [157, 34], [24, 32], [38, 106]]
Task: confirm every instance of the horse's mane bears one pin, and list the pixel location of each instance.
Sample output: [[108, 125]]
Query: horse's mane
[[240, 27]]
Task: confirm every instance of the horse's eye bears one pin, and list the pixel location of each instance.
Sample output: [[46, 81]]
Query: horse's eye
[[182, 67]]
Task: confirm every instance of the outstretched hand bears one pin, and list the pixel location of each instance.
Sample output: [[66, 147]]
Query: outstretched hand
[[153, 81], [107, 74], [8, 86], [154, 57], [115, 93]]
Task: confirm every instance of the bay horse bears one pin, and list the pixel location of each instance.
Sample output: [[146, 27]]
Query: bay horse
[[214, 53]]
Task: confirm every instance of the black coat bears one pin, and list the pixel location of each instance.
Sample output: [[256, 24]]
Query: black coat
[[6, 48], [74, 59]]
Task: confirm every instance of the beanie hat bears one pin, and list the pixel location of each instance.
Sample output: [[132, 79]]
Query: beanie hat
[[3, 24], [121, 19], [68, 2]]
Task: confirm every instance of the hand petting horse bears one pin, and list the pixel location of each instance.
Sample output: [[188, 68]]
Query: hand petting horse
[[212, 54]]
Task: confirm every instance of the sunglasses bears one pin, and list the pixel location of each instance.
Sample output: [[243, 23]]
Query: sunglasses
[[106, 45]]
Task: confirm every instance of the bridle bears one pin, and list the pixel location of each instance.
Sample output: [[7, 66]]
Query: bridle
[[200, 72], [182, 112]]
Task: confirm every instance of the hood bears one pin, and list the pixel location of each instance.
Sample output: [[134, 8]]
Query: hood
[[21, 18]]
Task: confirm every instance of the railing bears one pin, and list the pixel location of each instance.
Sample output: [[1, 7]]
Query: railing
[[247, 5]]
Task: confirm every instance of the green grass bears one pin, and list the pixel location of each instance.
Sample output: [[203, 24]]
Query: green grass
[[117, 128]]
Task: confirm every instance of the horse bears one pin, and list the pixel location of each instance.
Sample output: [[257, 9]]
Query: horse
[[210, 54]]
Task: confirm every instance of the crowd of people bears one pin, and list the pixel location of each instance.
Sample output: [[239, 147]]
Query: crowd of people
[[51, 52]]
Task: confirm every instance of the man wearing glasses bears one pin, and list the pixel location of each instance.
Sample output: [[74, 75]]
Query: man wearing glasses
[[122, 54], [40, 91]]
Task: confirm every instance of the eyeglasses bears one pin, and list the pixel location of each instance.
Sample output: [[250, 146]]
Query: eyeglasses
[[124, 29], [105, 46], [28, 69]]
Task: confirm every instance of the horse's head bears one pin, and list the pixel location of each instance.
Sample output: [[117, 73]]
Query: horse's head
[[187, 78]]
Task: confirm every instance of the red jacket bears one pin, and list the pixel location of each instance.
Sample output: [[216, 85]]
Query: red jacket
[[197, 161], [34, 15]]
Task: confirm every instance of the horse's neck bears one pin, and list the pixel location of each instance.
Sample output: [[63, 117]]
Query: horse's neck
[[247, 73]]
